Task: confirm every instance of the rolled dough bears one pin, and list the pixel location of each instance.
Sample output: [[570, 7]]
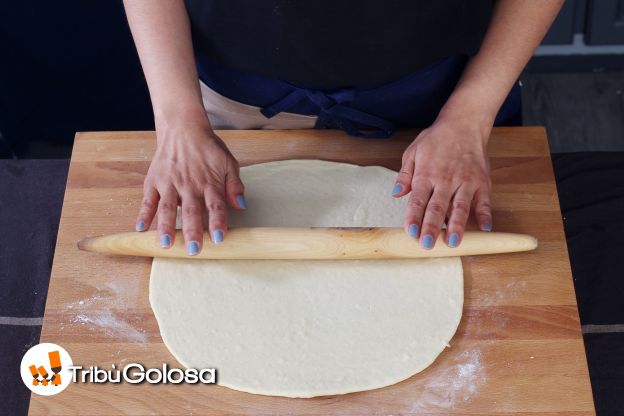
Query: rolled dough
[[309, 328]]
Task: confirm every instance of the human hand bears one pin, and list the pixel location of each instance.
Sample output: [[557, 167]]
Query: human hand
[[446, 171], [193, 168]]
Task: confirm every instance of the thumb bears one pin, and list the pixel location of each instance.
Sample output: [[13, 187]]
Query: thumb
[[403, 182], [234, 188]]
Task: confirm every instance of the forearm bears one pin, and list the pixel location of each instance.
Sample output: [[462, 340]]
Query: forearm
[[161, 32], [516, 29]]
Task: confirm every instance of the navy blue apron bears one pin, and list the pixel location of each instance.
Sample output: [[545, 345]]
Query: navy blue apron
[[411, 102]]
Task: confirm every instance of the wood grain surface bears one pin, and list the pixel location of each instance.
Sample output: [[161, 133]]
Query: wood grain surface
[[518, 350]]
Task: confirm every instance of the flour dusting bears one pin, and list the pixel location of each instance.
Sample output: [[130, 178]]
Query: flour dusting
[[455, 384], [512, 290], [95, 310], [87, 301], [112, 326]]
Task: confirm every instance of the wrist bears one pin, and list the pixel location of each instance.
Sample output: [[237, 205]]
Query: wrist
[[190, 116], [182, 128], [469, 113]]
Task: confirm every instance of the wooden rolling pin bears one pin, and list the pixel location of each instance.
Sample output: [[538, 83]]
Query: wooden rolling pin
[[310, 243]]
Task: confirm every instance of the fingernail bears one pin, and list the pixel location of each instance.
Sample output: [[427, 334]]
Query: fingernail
[[165, 241], [240, 200], [412, 230], [192, 248], [453, 239], [398, 188], [487, 227], [217, 236], [427, 242], [140, 226]]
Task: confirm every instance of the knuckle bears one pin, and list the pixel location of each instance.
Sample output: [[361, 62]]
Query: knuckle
[[417, 204], [483, 206], [408, 155], [420, 176], [436, 208], [148, 187], [461, 206], [422, 180], [234, 181], [445, 177], [479, 183], [191, 211], [213, 190], [166, 207], [148, 204], [146, 214], [216, 206], [465, 178]]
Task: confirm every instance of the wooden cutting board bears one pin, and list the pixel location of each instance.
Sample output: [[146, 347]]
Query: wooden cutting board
[[518, 349]]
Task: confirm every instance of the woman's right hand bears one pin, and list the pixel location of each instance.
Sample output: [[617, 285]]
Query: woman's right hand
[[193, 168]]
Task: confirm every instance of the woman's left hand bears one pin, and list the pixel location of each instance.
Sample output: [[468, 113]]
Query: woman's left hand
[[446, 172]]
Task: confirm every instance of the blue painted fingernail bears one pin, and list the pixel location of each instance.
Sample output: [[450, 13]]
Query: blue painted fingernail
[[240, 200], [398, 188], [217, 236], [427, 242], [165, 241], [487, 227], [412, 230], [192, 248], [453, 240], [140, 226]]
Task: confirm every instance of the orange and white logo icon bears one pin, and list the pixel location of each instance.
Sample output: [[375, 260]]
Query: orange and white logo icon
[[45, 369]]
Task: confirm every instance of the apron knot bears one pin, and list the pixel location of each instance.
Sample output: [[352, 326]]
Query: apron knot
[[334, 113]]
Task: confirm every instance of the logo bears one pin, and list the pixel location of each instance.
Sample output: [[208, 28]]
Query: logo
[[45, 369]]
